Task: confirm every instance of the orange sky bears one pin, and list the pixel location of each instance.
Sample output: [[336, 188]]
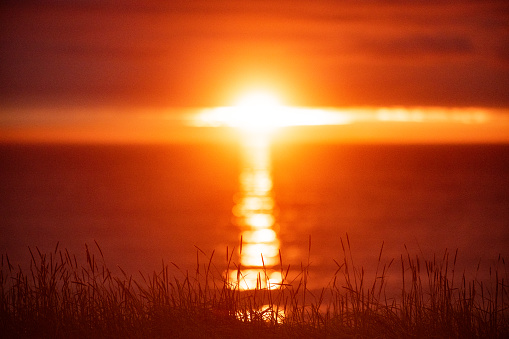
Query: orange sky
[[198, 53]]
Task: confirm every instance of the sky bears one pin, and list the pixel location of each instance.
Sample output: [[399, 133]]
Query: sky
[[201, 53]]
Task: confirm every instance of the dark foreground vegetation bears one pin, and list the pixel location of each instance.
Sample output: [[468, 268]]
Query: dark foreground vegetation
[[59, 297]]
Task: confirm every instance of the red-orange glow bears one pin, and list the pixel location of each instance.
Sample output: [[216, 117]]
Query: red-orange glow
[[297, 124], [254, 212], [323, 53], [266, 235], [257, 278]]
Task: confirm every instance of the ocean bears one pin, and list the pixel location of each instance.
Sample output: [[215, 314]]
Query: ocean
[[145, 204]]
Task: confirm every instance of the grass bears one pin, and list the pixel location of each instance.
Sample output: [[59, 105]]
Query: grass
[[59, 297]]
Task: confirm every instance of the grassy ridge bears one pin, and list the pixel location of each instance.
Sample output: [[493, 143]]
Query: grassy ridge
[[59, 297]]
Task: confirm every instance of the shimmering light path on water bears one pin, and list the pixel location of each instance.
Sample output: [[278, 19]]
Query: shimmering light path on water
[[254, 213]]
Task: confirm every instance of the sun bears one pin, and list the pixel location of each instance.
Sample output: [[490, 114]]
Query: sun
[[256, 110], [259, 110], [259, 99], [263, 111]]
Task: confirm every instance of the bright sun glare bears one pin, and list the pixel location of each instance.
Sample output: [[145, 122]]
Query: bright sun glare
[[258, 99], [263, 111], [258, 110]]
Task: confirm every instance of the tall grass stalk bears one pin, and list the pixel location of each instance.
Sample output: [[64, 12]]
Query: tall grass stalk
[[60, 297]]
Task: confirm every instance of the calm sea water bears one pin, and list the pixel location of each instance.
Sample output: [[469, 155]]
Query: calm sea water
[[147, 203]]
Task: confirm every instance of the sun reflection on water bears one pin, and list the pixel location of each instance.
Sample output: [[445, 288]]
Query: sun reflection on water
[[258, 117], [255, 214]]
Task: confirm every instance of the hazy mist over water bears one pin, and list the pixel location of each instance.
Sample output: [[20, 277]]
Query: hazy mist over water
[[147, 203], [128, 125]]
